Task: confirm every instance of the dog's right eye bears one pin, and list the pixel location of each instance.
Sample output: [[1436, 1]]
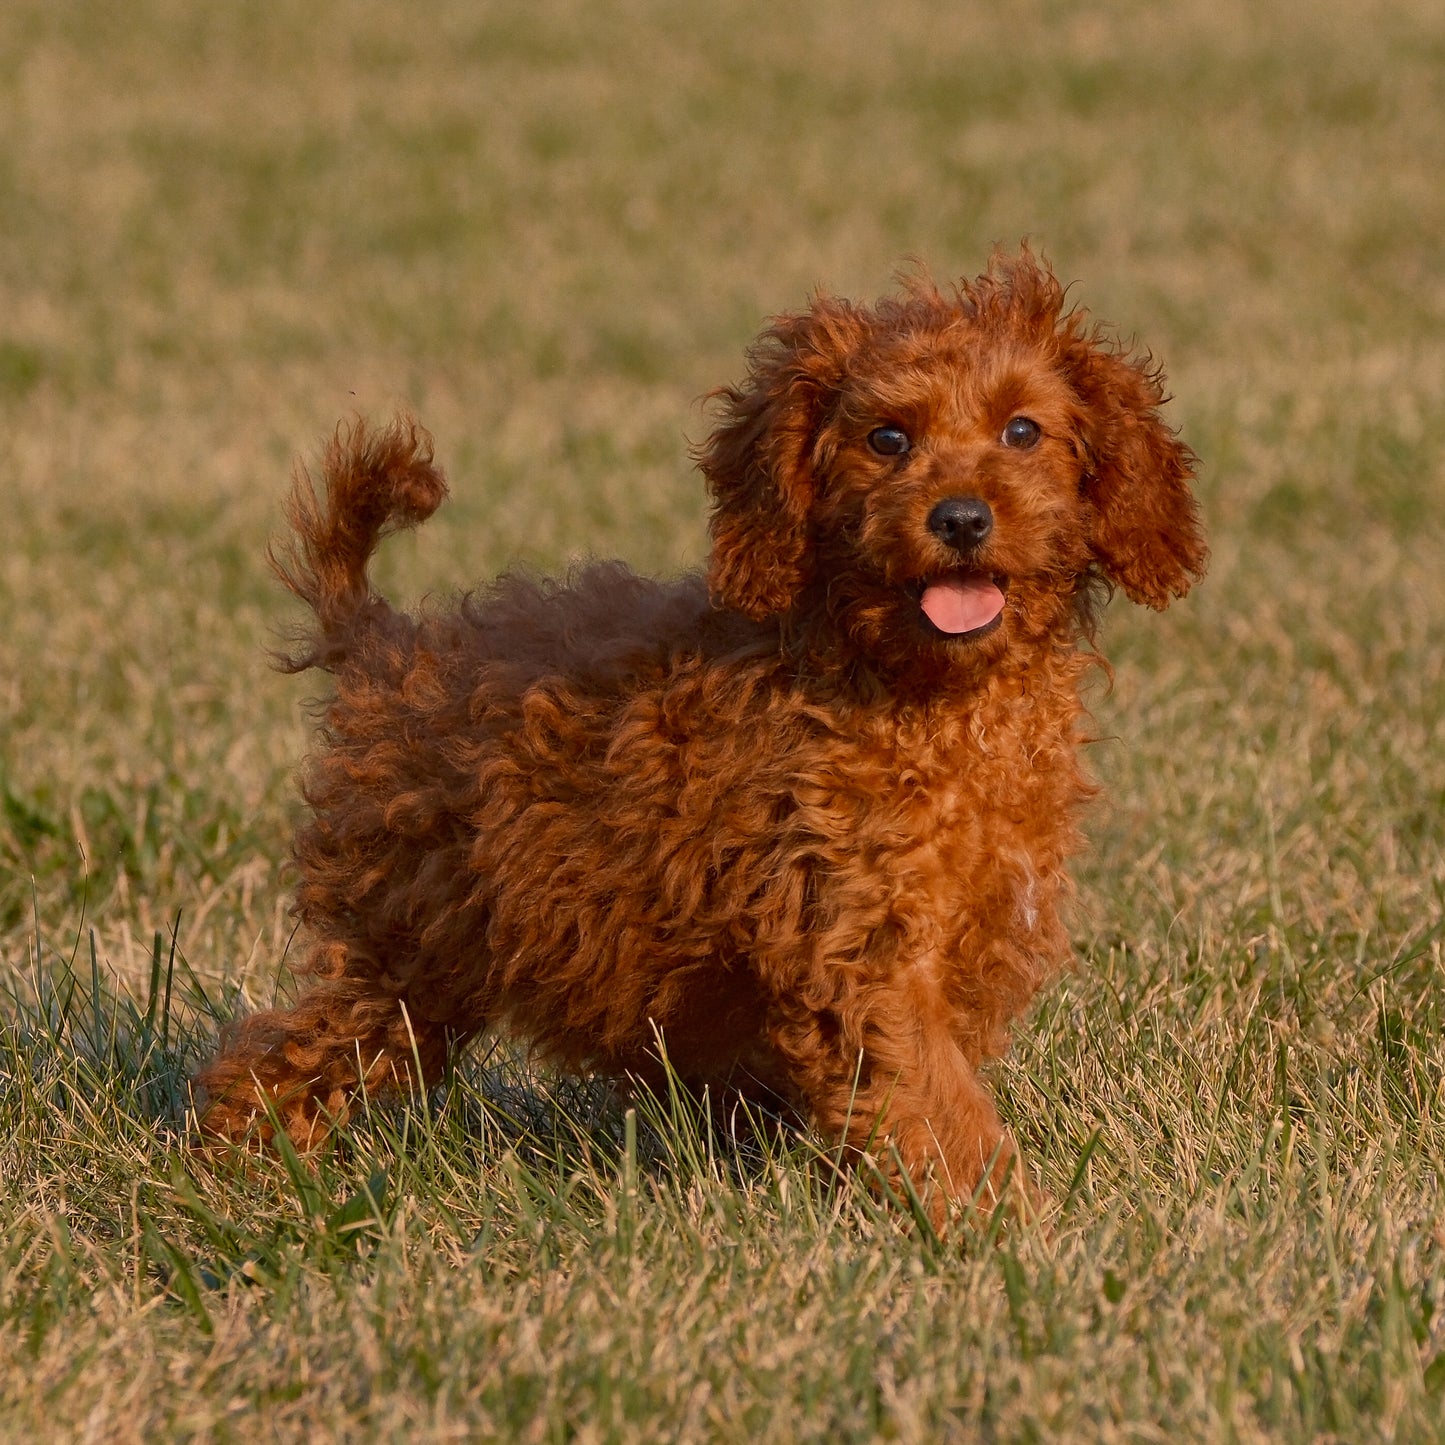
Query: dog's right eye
[[889, 441], [1022, 432]]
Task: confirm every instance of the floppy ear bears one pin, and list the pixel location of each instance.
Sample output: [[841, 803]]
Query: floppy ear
[[758, 462], [1145, 530]]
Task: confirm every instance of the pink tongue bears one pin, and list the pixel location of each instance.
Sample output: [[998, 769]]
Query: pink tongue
[[961, 604]]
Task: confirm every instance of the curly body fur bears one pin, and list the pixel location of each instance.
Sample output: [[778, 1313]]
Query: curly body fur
[[772, 815]]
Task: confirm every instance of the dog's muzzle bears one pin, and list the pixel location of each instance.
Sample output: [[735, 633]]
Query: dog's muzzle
[[966, 603]]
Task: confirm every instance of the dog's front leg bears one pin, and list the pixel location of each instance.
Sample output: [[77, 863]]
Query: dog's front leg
[[890, 1086]]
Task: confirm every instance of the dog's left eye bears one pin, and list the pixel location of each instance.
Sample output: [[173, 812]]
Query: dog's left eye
[[889, 441], [1022, 432]]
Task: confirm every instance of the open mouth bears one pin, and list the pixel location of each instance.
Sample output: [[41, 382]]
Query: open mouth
[[963, 604]]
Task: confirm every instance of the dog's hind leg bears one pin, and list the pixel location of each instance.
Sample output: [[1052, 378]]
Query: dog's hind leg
[[303, 1066]]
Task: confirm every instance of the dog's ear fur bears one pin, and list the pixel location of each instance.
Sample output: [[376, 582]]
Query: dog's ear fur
[[1144, 528], [1144, 525], [759, 461]]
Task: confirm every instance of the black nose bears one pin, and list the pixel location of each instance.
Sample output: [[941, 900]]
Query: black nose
[[961, 522]]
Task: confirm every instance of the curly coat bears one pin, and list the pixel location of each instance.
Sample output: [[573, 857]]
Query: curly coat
[[807, 819]]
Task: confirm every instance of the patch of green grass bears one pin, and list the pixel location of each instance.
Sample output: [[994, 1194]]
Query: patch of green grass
[[21, 368]]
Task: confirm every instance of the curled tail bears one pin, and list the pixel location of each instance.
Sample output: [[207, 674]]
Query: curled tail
[[375, 481]]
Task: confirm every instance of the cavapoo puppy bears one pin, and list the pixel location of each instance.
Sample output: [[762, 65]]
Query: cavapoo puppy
[[806, 818]]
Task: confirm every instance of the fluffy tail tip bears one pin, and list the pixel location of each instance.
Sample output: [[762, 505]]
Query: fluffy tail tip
[[382, 479], [377, 480]]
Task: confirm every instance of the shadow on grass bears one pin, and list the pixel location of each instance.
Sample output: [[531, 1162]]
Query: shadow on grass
[[80, 1032]]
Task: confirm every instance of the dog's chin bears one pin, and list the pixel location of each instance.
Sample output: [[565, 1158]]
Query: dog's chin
[[889, 627]]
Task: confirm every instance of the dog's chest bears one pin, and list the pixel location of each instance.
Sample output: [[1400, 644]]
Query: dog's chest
[[959, 834]]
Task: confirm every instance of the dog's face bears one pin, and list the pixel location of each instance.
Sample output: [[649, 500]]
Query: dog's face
[[941, 476], [948, 514]]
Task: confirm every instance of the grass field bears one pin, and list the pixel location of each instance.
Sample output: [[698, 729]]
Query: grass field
[[550, 228]]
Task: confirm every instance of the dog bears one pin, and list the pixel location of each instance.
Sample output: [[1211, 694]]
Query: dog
[[801, 822]]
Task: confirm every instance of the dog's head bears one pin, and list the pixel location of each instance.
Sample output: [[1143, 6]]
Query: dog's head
[[941, 473]]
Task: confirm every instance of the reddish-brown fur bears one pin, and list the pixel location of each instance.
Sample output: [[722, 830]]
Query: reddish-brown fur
[[771, 815]]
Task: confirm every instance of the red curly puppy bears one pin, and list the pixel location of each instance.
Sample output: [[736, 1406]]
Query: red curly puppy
[[806, 818]]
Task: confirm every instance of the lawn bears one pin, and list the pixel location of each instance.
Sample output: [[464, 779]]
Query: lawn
[[550, 229]]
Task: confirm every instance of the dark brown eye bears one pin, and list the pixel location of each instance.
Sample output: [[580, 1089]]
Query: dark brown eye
[[889, 441], [1022, 432]]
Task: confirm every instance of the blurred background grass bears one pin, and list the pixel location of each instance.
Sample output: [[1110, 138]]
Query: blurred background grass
[[549, 229]]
